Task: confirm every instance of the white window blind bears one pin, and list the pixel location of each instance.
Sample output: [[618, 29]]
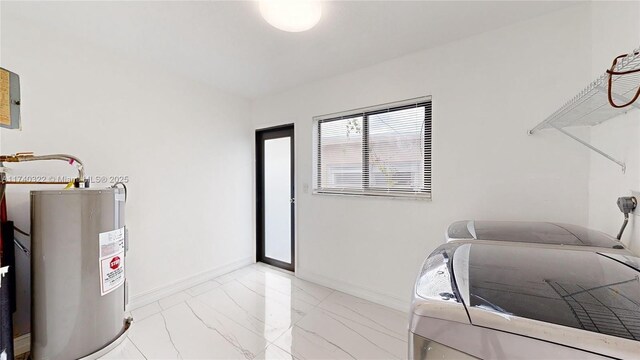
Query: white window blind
[[381, 151]]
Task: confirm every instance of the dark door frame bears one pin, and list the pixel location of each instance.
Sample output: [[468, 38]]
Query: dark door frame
[[262, 135]]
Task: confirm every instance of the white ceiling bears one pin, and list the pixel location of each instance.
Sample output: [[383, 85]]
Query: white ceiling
[[228, 44]]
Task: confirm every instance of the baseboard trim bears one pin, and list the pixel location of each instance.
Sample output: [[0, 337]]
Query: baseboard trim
[[355, 290], [22, 344], [156, 294]]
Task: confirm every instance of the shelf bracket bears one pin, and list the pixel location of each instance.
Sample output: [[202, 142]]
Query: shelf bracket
[[620, 163], [619, 97]]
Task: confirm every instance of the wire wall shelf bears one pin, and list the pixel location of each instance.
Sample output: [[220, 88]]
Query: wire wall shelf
[[591, 106]]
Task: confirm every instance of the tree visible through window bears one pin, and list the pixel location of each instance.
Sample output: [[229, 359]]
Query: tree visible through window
[[377, 151]]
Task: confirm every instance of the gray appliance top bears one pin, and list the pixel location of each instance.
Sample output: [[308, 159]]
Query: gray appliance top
[[590, 291], [531, 232]]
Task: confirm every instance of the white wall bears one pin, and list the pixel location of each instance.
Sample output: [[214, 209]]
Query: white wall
[[186, 148], [616, 30], [487, 91], [178, 141]]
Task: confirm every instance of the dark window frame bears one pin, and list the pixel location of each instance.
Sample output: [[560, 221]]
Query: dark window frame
[[367, 189]]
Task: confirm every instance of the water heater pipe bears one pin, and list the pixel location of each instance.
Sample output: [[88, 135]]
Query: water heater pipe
[[21, 157]]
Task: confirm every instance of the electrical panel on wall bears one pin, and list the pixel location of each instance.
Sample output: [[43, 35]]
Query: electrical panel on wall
[[9, 99]]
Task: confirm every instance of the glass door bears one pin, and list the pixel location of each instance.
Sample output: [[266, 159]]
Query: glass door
[[275, 196]]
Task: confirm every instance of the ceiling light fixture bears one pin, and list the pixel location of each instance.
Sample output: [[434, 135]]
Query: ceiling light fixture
[[291, 15]]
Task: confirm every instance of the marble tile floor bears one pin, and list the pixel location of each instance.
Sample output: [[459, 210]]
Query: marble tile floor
[[259, 312]]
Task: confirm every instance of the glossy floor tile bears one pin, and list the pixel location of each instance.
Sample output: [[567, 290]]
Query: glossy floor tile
[[325, 335], [125, 351], [368, 314], [144, 312], [259, 312]]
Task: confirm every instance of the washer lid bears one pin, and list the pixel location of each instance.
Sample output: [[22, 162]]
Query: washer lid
[[530, 232], [631, 261], [435, 293], [584, 291]]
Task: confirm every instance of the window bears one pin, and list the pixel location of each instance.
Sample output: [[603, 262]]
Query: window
[[383, 150]]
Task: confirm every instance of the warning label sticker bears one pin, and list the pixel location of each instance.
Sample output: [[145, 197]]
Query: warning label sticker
[[111, 260], [111, 273]]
